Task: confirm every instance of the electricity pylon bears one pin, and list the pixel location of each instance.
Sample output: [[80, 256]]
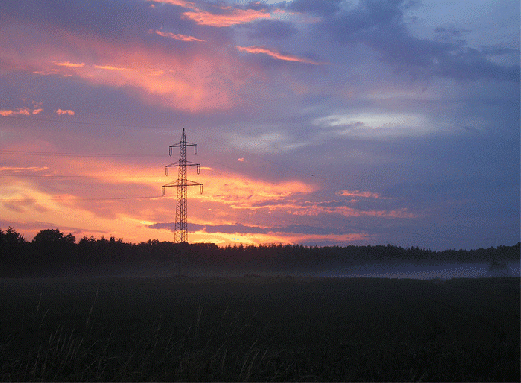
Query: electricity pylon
[[181, 226]]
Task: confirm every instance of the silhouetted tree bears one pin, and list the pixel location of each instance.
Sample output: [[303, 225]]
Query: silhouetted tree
[[50, 236], [52, 248], [12, 251]]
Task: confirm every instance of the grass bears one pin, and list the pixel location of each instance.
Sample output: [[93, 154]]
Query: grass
[[260, 329]]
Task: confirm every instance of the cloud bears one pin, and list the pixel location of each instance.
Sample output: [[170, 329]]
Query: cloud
[[192, 81], [314, 209], [380, 25], [68, 64], [23, 111], [109, 67], [178, 36], [376, 125], [358, 193], [232, 17], [277, 55], [269, 142], [66, 112], [20, 111], [17, 169], [180, 3]]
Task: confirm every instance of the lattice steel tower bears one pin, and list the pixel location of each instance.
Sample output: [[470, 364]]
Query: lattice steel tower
[[181, 226]]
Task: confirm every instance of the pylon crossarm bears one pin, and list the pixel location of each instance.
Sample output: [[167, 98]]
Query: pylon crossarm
[[176, 183], [178, 145]]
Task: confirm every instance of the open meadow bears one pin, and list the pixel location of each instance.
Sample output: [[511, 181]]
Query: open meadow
[[259, 329]]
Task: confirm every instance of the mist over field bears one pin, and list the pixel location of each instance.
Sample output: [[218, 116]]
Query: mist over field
[[52, 253], [426, 271]]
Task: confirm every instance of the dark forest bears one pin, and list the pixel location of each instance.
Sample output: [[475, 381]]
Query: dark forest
[[52, 253]]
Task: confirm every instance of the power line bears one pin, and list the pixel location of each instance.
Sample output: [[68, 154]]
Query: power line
[[62, 154], [75, 121], [42, 176], [88, 198]]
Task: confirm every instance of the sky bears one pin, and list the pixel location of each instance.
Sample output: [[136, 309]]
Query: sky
[[355, 122]]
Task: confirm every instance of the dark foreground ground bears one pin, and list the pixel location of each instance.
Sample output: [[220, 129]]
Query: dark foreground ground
[[259, 329]]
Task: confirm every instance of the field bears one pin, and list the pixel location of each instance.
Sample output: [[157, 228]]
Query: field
[[259, 329]]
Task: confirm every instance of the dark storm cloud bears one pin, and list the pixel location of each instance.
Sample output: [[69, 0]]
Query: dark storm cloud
[[380, 25]]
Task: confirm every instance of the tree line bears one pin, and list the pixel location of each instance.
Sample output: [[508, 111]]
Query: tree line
[[51, 252]]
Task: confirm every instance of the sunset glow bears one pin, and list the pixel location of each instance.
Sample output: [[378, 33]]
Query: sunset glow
[[317, 123]]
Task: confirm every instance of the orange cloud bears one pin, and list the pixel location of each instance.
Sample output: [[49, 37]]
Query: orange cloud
[[23, 168], [96, 201], [275, 54], [358, 193], [20, 111], [68, 112], [5, 113], [108, 67], [236, 16], [69, 64], [240, 192], [178, 37]]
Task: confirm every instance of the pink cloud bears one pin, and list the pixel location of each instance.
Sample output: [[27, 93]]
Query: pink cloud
[[195, 81], [276, 55], [236, 16], [178, 37]]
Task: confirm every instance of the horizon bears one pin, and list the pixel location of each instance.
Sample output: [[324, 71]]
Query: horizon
[[319, 123], [122, 240]]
